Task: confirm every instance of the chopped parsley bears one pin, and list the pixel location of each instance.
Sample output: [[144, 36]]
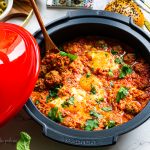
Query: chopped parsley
[[122, 93], [37, 102], [95, 114], [62, 53], [68, 103], [53, 92], [93, 90], [114, 52], [111, 124], [98, 100], [91, 124], [119, 60], [125, 70], [55, 115], [106, 54], [110, 73], [107, 108], [71, 56], [92, 69], [88, 75]]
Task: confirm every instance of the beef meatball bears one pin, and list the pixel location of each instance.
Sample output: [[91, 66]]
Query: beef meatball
[[129, 58], [52, 78], [56, 61], [133, 107], [141, 69]]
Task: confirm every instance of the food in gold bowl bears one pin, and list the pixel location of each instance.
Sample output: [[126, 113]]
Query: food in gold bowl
[[92, 84], [127, 8]]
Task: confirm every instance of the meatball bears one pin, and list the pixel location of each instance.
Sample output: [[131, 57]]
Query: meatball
[[43, 70], [141, 69], [52, 78], [56, 61], [133, 107], [40, 85], [129, 58]]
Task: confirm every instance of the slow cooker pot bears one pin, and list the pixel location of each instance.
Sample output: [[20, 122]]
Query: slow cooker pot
[[82, 23]]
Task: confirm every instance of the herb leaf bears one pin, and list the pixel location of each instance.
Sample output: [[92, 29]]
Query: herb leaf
[[119, 60], [114, 52], [71, 56], [68, 103], [107, 109], [93, 89], [53, 92], [88, 75], [55, 115], [91, 124], [62, 53], [111, 124], [37, 102], [95, 114], [24, 142], [125, 70], [98, 100], [110, 73], [121, 94]]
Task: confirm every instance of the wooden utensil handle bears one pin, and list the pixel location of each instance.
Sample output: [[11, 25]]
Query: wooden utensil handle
[[46, 36]]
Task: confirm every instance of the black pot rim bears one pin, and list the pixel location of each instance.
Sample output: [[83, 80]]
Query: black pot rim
[[89, 138]]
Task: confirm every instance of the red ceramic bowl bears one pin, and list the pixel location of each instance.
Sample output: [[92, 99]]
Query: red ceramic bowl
[[19, 67]]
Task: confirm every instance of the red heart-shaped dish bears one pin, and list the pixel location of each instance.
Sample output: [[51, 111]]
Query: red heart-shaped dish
[[19, 67]]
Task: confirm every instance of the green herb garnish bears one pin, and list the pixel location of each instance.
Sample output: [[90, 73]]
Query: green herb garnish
[[110, 73], [88, 75], [53, 92], [107, 109], [98, 100], [68, 103], [121, 94], [48, 99], [71, 56], [93, 90], [37, 102], [114, 52], [24, 142], [106, 54], [95, 114], [62, 53], [110, 124], [119, 60], [125, 70], [55, 115], [91, 124]]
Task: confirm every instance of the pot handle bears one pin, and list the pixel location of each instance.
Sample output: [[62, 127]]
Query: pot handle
[[80, 141], [139, 29], [99, 14]]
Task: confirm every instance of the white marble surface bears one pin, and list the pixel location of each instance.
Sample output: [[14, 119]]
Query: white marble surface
[[137, 139]]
